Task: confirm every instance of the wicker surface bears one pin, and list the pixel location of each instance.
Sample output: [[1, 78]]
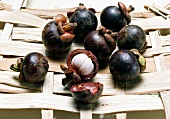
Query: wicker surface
[[149, 92]]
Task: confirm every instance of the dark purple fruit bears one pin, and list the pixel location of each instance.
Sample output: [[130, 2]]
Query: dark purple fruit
[[88, 92], [131, 37], [33, 68], [86, 22], [57, 35], [115, 18], [124, 65], [100, 43]]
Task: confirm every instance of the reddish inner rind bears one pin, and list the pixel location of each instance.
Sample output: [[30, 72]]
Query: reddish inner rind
[[91, 86]]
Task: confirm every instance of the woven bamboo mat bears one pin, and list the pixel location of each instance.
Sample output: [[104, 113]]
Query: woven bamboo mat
[[22, 35]]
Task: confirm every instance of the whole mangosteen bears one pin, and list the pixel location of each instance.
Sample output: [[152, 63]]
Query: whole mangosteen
[[101, 43], [115, 18], [126, 65], [132, 37], [86, 21], [33, 67]]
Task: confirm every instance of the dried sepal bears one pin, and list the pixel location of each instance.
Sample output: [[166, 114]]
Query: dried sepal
[[140, 58]]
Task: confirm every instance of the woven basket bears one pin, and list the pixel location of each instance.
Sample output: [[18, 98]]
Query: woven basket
[[21, 34]]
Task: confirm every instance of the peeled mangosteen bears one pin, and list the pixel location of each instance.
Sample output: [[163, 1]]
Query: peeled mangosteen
[[82, 66], [88, 92], [86, 22], [125, 65], [115, 18], [33, 67], [101, 43], [132, 36]]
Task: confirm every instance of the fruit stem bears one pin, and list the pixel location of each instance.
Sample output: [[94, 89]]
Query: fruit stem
[[130, 9], [102, 30], [17, 67], [66, 80]]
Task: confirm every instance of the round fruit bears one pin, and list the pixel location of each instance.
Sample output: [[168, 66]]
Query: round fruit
[[124, 65], [100, 43], [115, 18], [51, 38], [33, 67], [131, 37], [86, 22]]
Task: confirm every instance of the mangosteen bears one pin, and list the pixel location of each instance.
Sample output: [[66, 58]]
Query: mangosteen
[[132, 37], [88, 92], [86, 21], [115, 18], [101, 43], [82, 66], [57, 36], [126, 65], [33, 67]]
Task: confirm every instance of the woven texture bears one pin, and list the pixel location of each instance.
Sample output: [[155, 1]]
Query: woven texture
[[22, 35]]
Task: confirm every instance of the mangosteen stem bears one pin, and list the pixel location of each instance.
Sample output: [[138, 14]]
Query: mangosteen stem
[[140, 58], [17, 67], [81, 6], [130, 9], [66, 80], [102, 30], [60, 28], [69, 26], [125, 11]]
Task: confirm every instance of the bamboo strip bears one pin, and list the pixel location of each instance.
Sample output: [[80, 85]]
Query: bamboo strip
[[105, 79], [165, 96], [47, 114], [153, 9], [106, 104], [121, 91], [50, 13], [85, 111], [149, 82], [15, 90], [48, 89], [11, 81], [144, 84], [8, 27], [34, 35], [4, 6], [156, 51], [161, 9], [152, 23], [156, 43], [22, 18], [29, 19], [22, 48]]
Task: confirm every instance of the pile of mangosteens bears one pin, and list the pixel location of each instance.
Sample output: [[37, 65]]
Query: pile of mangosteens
[[116, 44]]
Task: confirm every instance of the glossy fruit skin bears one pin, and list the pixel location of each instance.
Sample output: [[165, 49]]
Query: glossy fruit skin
[[96, 43], [124, 65], [82, 92], [34, 68], [112, 18], [131, 37], [51, 39], [86, 22]]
